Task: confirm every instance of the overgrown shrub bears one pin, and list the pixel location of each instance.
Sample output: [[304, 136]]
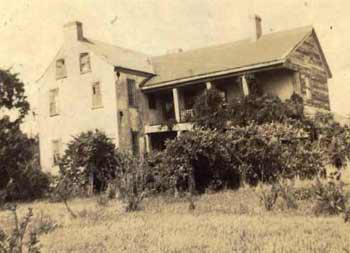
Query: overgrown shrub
[[303, 193], [210, 111], [330, 198], [30, 184], [90, 161], [131, 182], [250, 154]]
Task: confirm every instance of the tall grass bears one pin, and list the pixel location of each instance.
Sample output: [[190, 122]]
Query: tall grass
[[231, 221]]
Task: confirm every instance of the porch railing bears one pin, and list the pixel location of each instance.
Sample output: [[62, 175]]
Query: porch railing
[[186, 115]]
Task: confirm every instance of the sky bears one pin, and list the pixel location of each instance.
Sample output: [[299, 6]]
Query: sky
[[31, 30]]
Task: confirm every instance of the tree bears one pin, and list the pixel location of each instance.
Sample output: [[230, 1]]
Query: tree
[[12, 94], [12, 140], [18, 169]]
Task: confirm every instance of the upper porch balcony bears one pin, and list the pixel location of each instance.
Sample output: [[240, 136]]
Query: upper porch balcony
[[174, 106]]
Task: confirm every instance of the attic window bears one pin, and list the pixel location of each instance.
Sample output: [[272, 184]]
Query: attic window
[[60, 69], [85, 65]]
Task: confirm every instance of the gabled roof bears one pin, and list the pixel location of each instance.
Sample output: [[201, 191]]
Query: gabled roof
[[120, 57], [270, 49]]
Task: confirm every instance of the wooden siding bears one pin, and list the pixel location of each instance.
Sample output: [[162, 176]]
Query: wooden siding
[[307, 59]]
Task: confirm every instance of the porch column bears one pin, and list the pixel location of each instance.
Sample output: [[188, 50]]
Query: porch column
[[176, 104], [208, 85], [148, 143], [245, 86]]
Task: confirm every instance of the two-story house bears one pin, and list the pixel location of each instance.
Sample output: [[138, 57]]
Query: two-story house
[[129, 95]]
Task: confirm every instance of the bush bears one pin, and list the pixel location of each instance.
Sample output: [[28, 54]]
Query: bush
[[31, 184], [330, 198], [131, 183], [303, 193], [211, 112], [90, 161], [209, 159]]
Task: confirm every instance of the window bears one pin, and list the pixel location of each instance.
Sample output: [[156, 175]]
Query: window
[[152, 103], [96, 95], [53, 97], [135, 142], [131, 92], [60, 69], [85, 65], [56, 148], [308, 88]]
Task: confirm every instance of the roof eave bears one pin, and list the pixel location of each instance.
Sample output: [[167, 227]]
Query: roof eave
[[240, 70], [123, 69]]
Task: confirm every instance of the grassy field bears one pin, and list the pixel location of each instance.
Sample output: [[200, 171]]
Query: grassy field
[[231, 221]]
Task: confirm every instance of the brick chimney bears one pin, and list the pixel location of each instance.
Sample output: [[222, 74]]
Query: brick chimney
[[256, 28], [73, 32]]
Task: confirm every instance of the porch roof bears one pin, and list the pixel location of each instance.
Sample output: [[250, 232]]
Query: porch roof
[[268, 50]]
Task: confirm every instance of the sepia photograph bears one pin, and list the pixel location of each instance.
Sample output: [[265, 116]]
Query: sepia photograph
[[175, 126]]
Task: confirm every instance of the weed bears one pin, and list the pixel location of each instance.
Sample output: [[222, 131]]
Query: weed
[[330, 198], [44, 224], [102, 200], [287, 194], [269, 197], [13, 243]]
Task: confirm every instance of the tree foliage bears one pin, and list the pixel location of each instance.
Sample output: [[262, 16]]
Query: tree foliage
[[12, 94], [210, 111], [90, 154], [20, 177]]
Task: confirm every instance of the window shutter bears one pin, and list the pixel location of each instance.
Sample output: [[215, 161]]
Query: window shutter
[[131, 86], [135, 142]]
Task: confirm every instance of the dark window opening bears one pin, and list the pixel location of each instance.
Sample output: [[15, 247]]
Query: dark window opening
[[152, 103], [131, 92]]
